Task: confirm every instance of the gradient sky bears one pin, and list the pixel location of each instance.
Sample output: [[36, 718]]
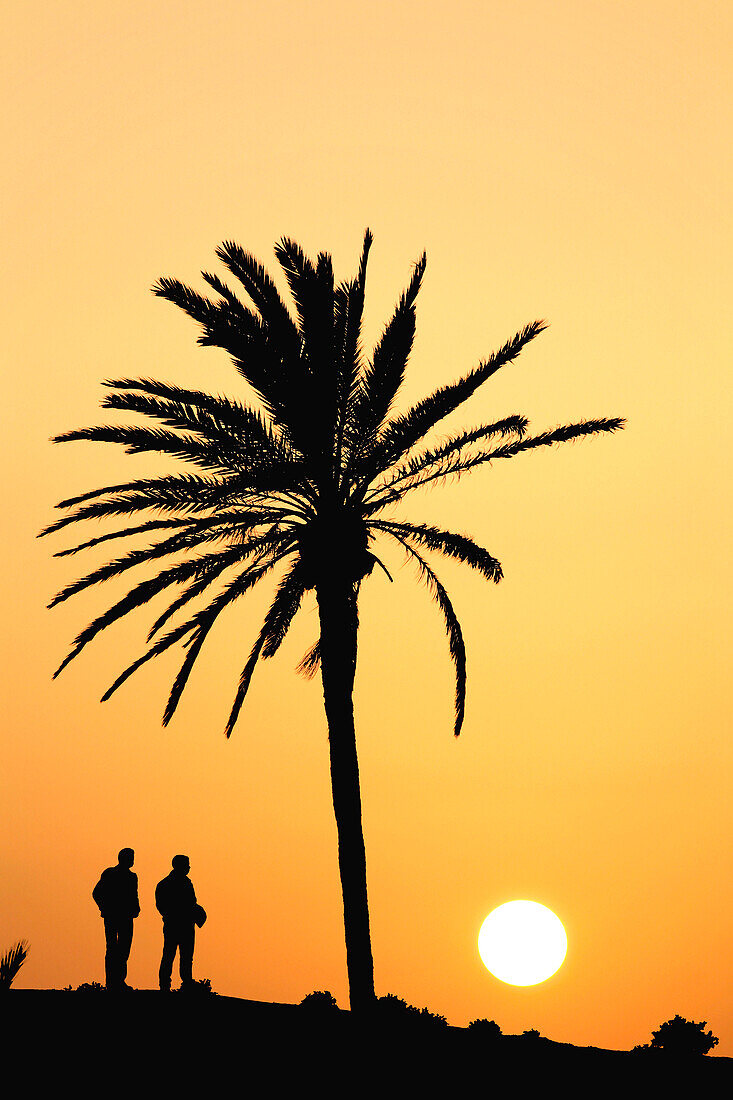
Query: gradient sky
[[567, 159]]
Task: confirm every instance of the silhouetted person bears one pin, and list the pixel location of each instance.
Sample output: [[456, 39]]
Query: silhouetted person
[[175, 900], [117, 898]]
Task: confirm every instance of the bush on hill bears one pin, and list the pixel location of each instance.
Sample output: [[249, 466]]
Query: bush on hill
[[485, 1030], [393, 1011], [320, 1000], [680, 1037]]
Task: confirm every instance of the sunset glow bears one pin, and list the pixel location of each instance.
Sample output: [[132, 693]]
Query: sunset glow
[[568, 161]]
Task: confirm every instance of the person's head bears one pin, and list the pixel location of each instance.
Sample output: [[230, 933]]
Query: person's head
[[126, 857], [181, 865]]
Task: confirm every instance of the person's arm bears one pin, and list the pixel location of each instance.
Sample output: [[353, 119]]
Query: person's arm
[[136, 906], [98, 893], [160, 899]]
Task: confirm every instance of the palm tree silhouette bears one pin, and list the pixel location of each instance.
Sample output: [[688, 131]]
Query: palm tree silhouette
[[307, 480], [11, 962]]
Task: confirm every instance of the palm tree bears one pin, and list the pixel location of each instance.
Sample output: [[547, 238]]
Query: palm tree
[[304, 481], [11, 962]]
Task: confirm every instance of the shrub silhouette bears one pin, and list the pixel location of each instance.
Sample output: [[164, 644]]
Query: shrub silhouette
[[681, 1036], [86, 987], [393, 1011], [432, 1019], [200, 985], [11, 963], [486, 1030], [320, 1000]]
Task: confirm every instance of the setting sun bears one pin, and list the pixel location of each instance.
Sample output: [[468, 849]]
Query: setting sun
[[522, 943]]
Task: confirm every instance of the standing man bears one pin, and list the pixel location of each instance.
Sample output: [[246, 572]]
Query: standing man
[[117, 898], [175, 900]]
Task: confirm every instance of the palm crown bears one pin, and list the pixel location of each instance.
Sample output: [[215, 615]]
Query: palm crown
[[306, 480]]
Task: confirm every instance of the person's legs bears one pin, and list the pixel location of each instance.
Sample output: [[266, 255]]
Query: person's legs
[[170, 942], [111, 954], [185, 959], [124, 943]]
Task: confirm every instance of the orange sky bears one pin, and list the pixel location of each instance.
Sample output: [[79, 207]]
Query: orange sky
[[568, 160]]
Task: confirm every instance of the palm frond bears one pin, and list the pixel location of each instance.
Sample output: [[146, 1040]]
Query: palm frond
[[222, 324], [181, 494], [194, 644], [226, 408], [460, 547], [172, 491], [312, 416], [310, 663], [349, 311], [381, 380], [284, 609], [198, 626], [444, 456], [348, 314], [457, 465], [229, 437], [11, 962], [125, 532], [192, 536], [177, 634], [563, 434], [263, 349], [225, 423], [235, 305], [263, 293], [456, 644], [206, 575], [141, 594], [277, 621], [208, 618], [222, 452], [195, 305], [303, 282], [151, 495], [230, 521], [138, 440], [402, 433]]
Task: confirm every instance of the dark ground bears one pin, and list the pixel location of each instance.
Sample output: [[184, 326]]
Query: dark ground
[[146, 1042]]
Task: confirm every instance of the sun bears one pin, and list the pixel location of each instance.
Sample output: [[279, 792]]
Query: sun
[[522, 943]]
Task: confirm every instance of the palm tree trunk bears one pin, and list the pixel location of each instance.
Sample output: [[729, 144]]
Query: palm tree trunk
[[338, 620]]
